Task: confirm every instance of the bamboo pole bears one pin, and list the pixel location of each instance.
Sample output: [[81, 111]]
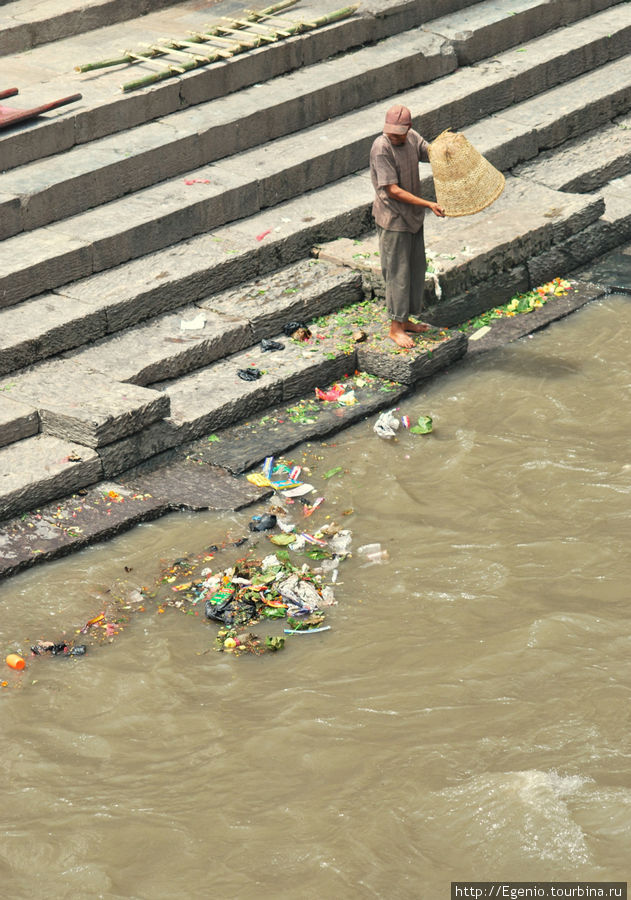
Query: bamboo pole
[[239, 47], [127, 57]]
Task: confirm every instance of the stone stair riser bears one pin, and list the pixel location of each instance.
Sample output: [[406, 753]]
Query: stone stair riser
[[17, 421]]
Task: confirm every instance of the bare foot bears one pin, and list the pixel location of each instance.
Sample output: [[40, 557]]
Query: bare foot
[[398, 335], [416, 327]]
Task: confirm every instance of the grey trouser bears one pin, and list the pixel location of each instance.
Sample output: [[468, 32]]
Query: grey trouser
[[403, 264]]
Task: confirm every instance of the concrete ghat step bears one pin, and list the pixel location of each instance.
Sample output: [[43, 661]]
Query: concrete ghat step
[[174, 345], [155, 217], [500, 24], [77, 404], [24, 24], [585, 163], [43, 191], [41, 468], [95, 173], [105, 110], [17, 421]]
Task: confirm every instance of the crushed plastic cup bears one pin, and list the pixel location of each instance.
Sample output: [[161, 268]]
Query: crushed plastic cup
[[373, 553], [386, 425]]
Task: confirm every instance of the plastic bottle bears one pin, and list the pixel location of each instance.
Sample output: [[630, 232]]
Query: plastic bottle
[[15, 662]]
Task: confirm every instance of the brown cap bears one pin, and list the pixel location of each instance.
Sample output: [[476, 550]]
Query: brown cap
[[398, 120]]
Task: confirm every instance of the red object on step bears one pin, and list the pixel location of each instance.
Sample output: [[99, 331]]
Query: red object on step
[[10, 116]]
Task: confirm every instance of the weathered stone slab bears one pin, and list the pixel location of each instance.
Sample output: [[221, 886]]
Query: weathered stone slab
[[504, 330], [32, 24], [432, 353], [469, 262], [33, 263], [45, 326], [37, 469], [473, 31], [613, 271], [586, 102], [302, 365], [161, 215], [168, 346], [131, 451], [611, 230], [113, 166], [78, 404], [216, 397], [193, 484], [57, 529], [17, 421], [499, 289], [10, 213], [160, 282], [585, 163], [297, 292], [282, 427]]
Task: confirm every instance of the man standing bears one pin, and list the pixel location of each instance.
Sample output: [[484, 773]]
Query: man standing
[[399, 211]]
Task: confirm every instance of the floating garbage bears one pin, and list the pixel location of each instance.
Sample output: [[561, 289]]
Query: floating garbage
[[58, 649], [263, 523], [373, 553], [386, 425], [271, 346], [423, 426], [299, 491], [15, 661]]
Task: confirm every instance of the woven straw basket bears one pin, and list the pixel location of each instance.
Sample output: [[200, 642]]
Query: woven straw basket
[[465, 181]]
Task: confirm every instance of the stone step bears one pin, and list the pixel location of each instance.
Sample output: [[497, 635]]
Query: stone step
[[507, 23], [584, 163], [106, 110], [42, 468], [216, 397], [91, 174], [611, 230], [104, 169], [157, 216], [176, 344], [208, 265], [77, 404], [17, 421], [24, 24]]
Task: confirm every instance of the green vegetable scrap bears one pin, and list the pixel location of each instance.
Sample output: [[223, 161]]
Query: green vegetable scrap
[[423, 426], [520, 304]]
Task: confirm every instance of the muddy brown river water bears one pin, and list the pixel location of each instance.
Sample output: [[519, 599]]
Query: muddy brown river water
[[466, 718]]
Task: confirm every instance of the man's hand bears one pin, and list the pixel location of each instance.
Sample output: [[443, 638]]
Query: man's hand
[[437, 210]]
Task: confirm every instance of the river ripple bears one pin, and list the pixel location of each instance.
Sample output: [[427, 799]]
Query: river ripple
[[467, 717]]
